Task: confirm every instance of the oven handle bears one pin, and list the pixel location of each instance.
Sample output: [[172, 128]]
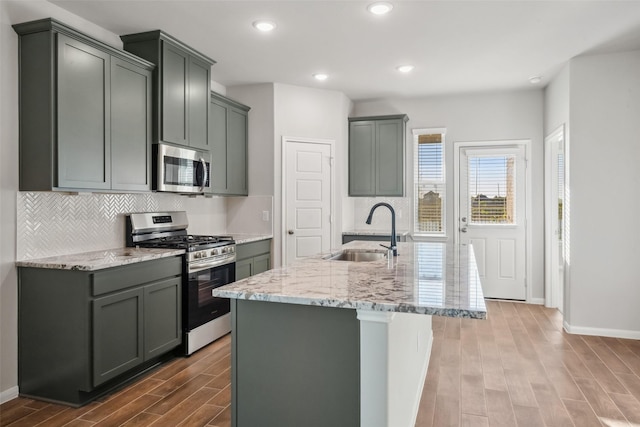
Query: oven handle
[[196, 267]]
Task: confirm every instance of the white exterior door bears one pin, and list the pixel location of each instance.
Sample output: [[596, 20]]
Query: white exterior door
[[307, 199], [492, 216]]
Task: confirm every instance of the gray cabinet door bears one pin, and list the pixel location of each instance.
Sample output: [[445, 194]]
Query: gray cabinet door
[[237, 152], [244, 268], [130, 127], [261, 263], [117, 334], [199, 82], [376, 156], [162, 317], [218, 140], [174, 77], [228, 132], [362, 158], [389, 157], [83, 116]]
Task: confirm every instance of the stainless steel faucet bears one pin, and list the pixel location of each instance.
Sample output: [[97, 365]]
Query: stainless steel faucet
[[394, 241]]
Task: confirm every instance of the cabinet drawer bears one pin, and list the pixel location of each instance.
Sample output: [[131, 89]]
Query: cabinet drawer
[[117, 278], [249, 250]]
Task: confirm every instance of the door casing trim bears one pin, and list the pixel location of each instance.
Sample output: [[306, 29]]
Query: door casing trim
[[551, 292]]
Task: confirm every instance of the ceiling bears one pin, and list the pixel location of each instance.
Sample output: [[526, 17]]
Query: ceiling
[[455, 46]]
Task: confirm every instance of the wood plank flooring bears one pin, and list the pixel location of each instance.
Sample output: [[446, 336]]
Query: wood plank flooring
[[518, 368]]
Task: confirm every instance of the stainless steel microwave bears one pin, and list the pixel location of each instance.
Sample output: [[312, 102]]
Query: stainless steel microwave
[[181, 169]]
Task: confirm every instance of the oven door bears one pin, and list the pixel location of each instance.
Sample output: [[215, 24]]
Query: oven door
[[202, 307], [181, 170]]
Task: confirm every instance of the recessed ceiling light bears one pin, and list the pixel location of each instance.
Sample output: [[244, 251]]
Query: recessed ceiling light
[[320, 76], [264, 26], [380, 8], [535, 80], [404, 68]]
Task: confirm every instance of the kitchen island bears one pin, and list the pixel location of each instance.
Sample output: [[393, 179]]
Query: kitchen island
[[342, 343]]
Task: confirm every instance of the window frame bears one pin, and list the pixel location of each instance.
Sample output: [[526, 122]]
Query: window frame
[[441, 183]]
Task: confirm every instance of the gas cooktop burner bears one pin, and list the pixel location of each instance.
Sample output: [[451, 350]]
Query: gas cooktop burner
[[189, 242], [190, 238]]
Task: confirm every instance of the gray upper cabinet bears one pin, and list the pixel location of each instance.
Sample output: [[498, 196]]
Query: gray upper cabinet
[[84, 157], [376, 155], [92, 104], [181, 91], [228, 130], [130, 126]]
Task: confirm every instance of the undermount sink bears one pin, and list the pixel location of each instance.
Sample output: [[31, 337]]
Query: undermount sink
[[356, 255]]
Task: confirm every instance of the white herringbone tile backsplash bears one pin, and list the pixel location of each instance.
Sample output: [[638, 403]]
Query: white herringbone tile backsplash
[[51, 224]]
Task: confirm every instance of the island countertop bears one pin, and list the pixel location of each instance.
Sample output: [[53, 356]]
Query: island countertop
[[431, 278]]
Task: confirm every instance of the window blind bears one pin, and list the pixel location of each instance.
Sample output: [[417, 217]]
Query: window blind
[[491, 189], [429, 184]]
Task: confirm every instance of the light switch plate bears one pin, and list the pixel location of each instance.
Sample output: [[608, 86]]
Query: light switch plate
[[265, 215]]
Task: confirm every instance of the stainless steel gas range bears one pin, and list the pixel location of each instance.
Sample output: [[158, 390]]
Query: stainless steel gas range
[[209, 262]]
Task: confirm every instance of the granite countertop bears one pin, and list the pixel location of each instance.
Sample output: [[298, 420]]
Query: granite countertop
[[241, 238], [376, 232], [426, 278], [98, 260]]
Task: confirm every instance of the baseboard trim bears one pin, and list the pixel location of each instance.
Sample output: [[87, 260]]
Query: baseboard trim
[[537, 301], [9, 394], [601, 332]]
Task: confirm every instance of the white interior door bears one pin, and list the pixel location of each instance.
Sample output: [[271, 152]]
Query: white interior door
[[554, 189], [492, 216], [307, 198]]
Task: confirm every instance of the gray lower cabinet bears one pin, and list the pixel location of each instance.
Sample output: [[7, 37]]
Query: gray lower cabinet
[[82, 333], [92, 106], [181, 91], [253, 258], [228, 131], [294, 365], [376, 155]]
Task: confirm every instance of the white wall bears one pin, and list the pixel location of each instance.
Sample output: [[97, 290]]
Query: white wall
[[556, 101], [309, 113], [557, 113], [479, 117], [605, 183], [260, 97]]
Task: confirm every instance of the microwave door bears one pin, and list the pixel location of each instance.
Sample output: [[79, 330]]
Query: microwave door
[[201, 174]]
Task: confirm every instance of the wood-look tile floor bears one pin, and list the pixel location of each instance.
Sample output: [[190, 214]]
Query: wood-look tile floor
[[518, 368]]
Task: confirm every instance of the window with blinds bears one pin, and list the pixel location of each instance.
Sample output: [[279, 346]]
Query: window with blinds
[[429, 182], [492, 189]]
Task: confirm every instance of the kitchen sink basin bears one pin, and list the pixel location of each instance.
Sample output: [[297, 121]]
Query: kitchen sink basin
[[356, 255]]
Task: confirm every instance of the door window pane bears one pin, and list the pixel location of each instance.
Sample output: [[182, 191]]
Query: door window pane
[[492, 189]]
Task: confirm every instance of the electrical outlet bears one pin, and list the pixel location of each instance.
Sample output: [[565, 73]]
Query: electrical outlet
[[265, 215]]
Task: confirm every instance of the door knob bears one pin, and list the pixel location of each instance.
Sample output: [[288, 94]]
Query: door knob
[[290, 231]]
